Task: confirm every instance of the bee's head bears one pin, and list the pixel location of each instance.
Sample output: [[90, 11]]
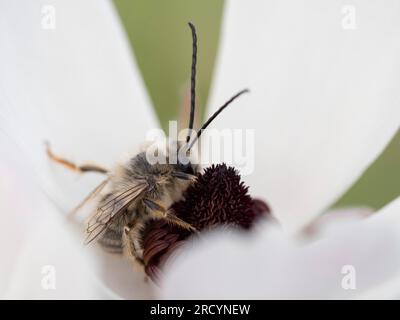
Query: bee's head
[[164, 173], [186, 161], [185, 168]]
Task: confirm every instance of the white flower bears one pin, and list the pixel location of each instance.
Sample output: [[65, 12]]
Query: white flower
[[324, 103]]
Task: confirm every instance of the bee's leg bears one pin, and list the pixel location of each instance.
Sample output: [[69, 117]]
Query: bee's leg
[[168, 215], [132, 238], [173, 219], [72, 166]]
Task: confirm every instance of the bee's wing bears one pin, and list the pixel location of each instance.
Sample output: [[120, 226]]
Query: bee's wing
[[111, 209], [89, 197]]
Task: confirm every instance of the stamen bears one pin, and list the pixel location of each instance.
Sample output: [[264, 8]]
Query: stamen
[[217, 198]]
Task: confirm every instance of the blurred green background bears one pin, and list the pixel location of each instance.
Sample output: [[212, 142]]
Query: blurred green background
[[161, 42]]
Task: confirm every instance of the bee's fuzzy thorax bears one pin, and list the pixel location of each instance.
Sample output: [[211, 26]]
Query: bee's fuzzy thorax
[[218, 198]]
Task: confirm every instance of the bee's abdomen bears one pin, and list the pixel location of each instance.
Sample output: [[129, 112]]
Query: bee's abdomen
[[111, 240]]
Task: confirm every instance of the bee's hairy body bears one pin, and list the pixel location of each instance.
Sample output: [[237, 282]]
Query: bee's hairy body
[[162, 185]]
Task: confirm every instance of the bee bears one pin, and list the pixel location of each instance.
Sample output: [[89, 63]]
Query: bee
[[139, 191]]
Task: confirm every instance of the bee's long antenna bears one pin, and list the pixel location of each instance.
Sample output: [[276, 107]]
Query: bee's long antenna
[[192, 80], [216, 113]]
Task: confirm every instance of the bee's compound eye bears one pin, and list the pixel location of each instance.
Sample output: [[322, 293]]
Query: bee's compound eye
[[186, 168]]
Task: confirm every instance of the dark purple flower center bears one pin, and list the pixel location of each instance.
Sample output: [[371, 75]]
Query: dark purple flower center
[[217, 198]]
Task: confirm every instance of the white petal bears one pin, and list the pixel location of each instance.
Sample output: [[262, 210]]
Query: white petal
[[270, 265], [18, 195], [324, 99], [79, 271], [38, 246], [75, 85], [333, 219]]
